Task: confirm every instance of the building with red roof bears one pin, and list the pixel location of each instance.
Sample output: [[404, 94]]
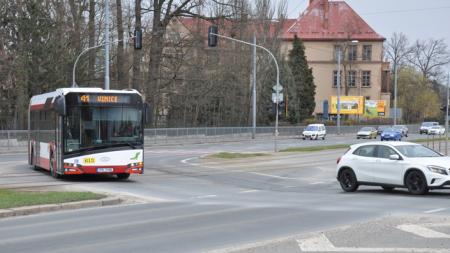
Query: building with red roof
[[325, 27]]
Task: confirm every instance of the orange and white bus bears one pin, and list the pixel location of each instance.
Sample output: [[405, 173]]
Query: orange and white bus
[[87, 131]]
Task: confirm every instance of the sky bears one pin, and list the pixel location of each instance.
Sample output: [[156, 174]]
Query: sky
[[418, 19]]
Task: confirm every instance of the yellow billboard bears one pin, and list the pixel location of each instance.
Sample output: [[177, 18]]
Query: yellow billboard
[[375, 108], [349, 105]]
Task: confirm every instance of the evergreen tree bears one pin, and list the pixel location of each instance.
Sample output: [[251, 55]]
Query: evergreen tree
[[301, 96]]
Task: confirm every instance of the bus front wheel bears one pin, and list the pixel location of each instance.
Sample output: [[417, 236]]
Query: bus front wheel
[[123, 176]]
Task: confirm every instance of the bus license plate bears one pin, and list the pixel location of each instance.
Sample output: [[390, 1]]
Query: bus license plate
[[104, 170]]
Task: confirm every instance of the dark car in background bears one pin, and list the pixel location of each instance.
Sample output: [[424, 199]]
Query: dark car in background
[[380, 129], [402, 128]]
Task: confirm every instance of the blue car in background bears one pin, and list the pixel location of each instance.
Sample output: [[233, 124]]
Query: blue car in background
[[393, 134]]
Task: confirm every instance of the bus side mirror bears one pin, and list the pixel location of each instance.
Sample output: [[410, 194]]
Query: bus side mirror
[[60, 105], [148, 113]]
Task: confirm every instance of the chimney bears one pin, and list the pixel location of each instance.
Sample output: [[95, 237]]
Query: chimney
[[326, 10]]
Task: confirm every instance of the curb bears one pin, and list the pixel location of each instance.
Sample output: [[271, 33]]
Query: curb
[[27, 210]]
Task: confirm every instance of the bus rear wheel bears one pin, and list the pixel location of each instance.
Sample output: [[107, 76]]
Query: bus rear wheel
[[123, 176]]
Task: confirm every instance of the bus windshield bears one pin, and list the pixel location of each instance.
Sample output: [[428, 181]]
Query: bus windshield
[[95, 126]]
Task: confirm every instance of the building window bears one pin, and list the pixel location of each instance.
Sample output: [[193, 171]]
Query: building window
[[351, 78], [337, 49], [352, 52], [367, 53], [335, 78], [365, 79], [367, 97]]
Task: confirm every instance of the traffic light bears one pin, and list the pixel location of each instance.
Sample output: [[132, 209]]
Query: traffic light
[[212, 39], [137, 39], [443, 108]]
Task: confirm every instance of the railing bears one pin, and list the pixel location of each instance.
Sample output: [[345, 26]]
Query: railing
[[17, 139]]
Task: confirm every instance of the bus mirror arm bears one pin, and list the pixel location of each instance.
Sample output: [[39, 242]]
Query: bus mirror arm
[[60, 105], [148, 113]]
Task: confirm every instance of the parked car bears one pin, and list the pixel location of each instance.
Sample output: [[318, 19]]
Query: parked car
[[314, 131], [426, 126], [438, 130], [391, 134], [380, 129], [395, 164], [367, 133], [402, 128]]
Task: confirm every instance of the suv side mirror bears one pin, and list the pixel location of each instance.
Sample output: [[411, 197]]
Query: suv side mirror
[[60, 105], [394, 157], [148, 113]]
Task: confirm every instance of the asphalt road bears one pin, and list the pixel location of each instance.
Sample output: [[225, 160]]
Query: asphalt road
[[196, 204]]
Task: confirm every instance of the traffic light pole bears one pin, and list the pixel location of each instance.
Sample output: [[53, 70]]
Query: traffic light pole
[[278, 79]]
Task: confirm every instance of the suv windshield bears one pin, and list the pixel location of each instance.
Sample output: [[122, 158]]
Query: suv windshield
[[429, 123], [417, 151], [95, 126]]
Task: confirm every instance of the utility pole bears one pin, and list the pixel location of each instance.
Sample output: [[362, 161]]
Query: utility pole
[[106, 44], [254, 88], [338, 102], [446, 117]]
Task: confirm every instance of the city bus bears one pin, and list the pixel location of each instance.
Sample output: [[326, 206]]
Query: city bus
[[74, 131]]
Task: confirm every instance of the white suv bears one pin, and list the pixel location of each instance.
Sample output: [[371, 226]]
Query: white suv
[[395, 164], [314, 131]]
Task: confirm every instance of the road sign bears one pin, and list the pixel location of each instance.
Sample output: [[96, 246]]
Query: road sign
[[279, 87], [274, 97]]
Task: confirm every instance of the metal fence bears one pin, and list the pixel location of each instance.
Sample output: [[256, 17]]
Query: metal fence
[[17, 139]]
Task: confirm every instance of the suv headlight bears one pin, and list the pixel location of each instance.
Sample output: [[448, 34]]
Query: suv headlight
[[437, 169]]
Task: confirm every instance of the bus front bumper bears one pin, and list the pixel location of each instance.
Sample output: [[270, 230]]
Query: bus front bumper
[[123, 169]]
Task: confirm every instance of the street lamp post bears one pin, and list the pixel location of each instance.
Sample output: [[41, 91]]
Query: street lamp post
[[278, 78], [74, 83], [395, 91], [338, 102]]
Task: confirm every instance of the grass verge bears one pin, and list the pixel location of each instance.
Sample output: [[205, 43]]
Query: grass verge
[[10, 198], [228, 155], [315, 148], [427, 140]]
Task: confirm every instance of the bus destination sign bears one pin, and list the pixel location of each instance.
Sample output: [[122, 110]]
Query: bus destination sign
[[103, 99]]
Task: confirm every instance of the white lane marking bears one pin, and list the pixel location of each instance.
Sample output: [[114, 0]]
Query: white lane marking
[[14, 162], [321, 182], [422, 231], [435, 210], [186, 161], [248, 191], [316, 243], [205, 196], [320, 243], [273, 176]]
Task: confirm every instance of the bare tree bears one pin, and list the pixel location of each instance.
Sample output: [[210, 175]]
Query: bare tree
[[122, 77], [91, 31], [429, 56], [137, 53], [397, 49]]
